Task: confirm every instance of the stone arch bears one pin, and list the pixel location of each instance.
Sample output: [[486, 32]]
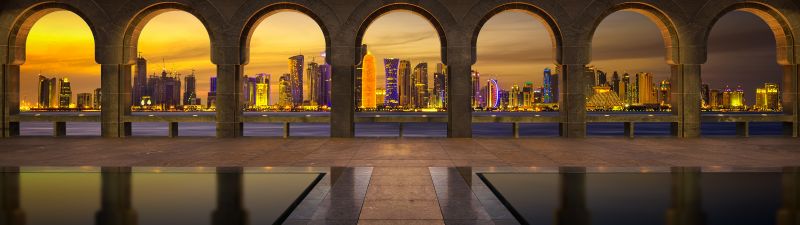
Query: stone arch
[[776, 21], [20, 28], [540, 14], [659, 17], [266, 12], [437, 25], [134, 26]]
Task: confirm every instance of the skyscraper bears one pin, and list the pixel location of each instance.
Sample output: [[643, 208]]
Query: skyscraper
[[165, 90], [48, 92], [737, 98], [391, 97], [527, 95], [296, 82], [439, 87], [421, 86], [772, 97], [476, 89], [98, 99], [325, 92], [262, 90], [548, 90], [65, 93], [615, 83], [514, 96], [249, 91], [405, 84], [714, 99], [358, 77], [285, 91], [492, 94], [139, 81], [212, 93], [632, 90], [313, 81], [190, 90], [368, 80], [664, 92], [84, 100], [705, 92], [645, 86]]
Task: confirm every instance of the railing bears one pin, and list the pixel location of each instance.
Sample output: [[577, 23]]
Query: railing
[[742, 120]]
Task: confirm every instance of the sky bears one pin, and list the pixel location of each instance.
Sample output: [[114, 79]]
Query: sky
[[513, 47]]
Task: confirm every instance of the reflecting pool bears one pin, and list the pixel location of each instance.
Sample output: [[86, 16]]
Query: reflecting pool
[[149, 196], [675, 196]]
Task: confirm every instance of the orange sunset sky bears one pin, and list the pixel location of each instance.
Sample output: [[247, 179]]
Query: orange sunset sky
[[513, 47]]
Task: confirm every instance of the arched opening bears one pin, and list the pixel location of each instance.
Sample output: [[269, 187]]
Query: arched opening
[[628, 75], [399, 74], [287, 72], [172, 74], [517, 50], [742, 75], [59, 76]]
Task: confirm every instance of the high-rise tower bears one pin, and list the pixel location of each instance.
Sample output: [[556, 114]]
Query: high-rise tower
[[406, 85], [392, 95], [368, 80], [139, 81], [296, 79]]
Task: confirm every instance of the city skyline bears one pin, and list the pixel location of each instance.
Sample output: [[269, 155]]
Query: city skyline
[[644, 49]]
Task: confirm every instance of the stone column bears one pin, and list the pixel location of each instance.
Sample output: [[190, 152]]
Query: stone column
[[229, 101], [687, 206], [572, 100], [230, 198], [459, 92], [10, 211], [790, 98], [572, 194], [789, 213], [10, 101], [342, 60], [115, 86], [686, 99], [116, 203]]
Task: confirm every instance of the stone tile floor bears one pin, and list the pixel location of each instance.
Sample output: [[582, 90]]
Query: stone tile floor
[[404, 181]]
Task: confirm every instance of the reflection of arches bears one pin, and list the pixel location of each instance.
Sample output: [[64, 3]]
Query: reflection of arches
[[18, 35], [264, 13], [781, 29], [400, 6], [538, 13], [134, 27], [657, 16]]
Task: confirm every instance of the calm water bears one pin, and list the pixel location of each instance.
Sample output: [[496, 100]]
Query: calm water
[[753, 198], [149, 196], [392, 129]]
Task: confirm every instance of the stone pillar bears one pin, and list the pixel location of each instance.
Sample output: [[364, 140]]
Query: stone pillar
[[116, 203], [230, 202], [342, 60], [791, 98], [572, 194], [686, 99], [115, 85], [10, 101], [687, 206], [229, 101], [789, 213], [10, 211], [459, 92], [572, 100]]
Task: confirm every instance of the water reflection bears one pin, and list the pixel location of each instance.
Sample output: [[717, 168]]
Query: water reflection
[[131, 198], [684, 196]]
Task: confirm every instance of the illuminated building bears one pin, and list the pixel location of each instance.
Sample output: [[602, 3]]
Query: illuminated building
[[492, 94], [767, 98], [527, 95], [358, 84], [368, 80], [476, 89], [420, 75], [325, 91], [249, 91], [406, 85], [604, 98], [190, 90], [65, 93], [314, 82], [705, 95], [285, 91], [631, 89], [47, 92], [664, 92], [538, 96], [98, 99], [548, 91], [139, 81], [296, 79], [391, 97], [737, 98], [84, 100], [726, 97], [380, 93], [262, 90], [714, 99], [514, 95], [165, 90], [439, 92], [615, 83], [601, 78], [645, 88], [211, 103], [504, 99]]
